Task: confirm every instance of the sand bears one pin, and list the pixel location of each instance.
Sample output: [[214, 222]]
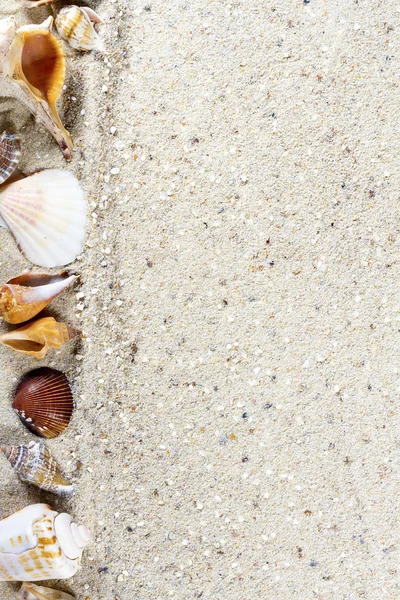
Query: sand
[[236, 427]]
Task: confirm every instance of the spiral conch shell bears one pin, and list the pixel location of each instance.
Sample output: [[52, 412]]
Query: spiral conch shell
[[36, 338], [30, 591], [34, 464], [38, 543], [10, 151], [75, 25], [33, 62], [23, 297]]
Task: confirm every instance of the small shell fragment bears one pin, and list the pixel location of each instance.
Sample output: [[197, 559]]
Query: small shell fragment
[[23, 297], [43, 401], [10, 152], [75, 25], [35, 3], [34, 464], [46, 214], [36, 338], [30, 591]]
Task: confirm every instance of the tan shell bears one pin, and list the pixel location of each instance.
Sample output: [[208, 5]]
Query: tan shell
[[23, 297], [75, 25], [30, 591], [33, 61], [38, 543], [34, 464], [10, 152], [37, 337]]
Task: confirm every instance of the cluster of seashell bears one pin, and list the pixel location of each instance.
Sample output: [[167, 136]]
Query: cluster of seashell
[[46, 214]]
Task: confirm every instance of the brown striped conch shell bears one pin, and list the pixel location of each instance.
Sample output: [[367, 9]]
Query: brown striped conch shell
[[32, 61], [30, 591], [46, 214], [36, 338], [23, 297], [10, 151], [38, 543], [43, 401], [75, 25], [34, 464]]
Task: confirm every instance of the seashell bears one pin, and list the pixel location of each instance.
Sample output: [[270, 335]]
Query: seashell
[[23, 297], [37, 337], [38, 543], [75, 25], [46, 214], [35, 3], [30, 591], [34, 464], [10, 151], [43, 401], [33, 62]]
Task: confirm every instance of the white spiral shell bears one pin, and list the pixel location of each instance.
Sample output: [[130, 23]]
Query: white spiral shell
[[38, 543]]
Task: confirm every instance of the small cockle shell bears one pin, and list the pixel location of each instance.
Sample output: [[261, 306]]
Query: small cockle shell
[[10, 151], [34, 464], [23, 297], [43, 401], [38, 543], [75, 25], [36, 338], [30, 591], [46, 214], [33, 63]]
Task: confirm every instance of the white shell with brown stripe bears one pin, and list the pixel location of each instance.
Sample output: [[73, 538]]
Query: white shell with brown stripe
[[38, 543]]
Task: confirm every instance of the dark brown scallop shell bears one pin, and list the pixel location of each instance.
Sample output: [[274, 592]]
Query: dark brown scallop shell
[[44, 402]]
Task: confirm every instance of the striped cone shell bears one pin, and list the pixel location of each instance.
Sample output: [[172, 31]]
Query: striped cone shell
[[34, 464], [44, 402], [10, 151]]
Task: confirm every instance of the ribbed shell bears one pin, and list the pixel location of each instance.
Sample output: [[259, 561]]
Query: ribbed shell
[[74, 24], [30, 591], [10, 152], [23, 297], [44, 402], [36, 338], [46, 213], [34, 464]]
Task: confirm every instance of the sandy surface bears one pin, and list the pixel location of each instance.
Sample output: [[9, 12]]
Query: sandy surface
[[236, 433]]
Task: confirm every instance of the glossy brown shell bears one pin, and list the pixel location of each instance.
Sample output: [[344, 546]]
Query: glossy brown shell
[[43, 401]]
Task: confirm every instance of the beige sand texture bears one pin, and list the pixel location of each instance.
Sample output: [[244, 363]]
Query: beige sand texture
[[236, 432]]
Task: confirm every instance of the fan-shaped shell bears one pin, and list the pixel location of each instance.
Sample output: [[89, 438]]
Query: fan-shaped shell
[[36, 338], [37, 543], [10, 152], [23, 297], [75, 25], [34, 63], [30, 591], [43, 401], [34, 464], [46, 213]]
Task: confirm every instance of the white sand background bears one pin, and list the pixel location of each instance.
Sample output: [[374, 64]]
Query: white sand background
[[236, 433]]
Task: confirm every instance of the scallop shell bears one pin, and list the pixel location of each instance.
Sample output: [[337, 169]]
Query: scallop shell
[[38, 543], [33, 63], [10, 151], [36, 338], [23, 297], [46, 214], [30, 591], [34, 464], [75, 25], [43, 401]]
